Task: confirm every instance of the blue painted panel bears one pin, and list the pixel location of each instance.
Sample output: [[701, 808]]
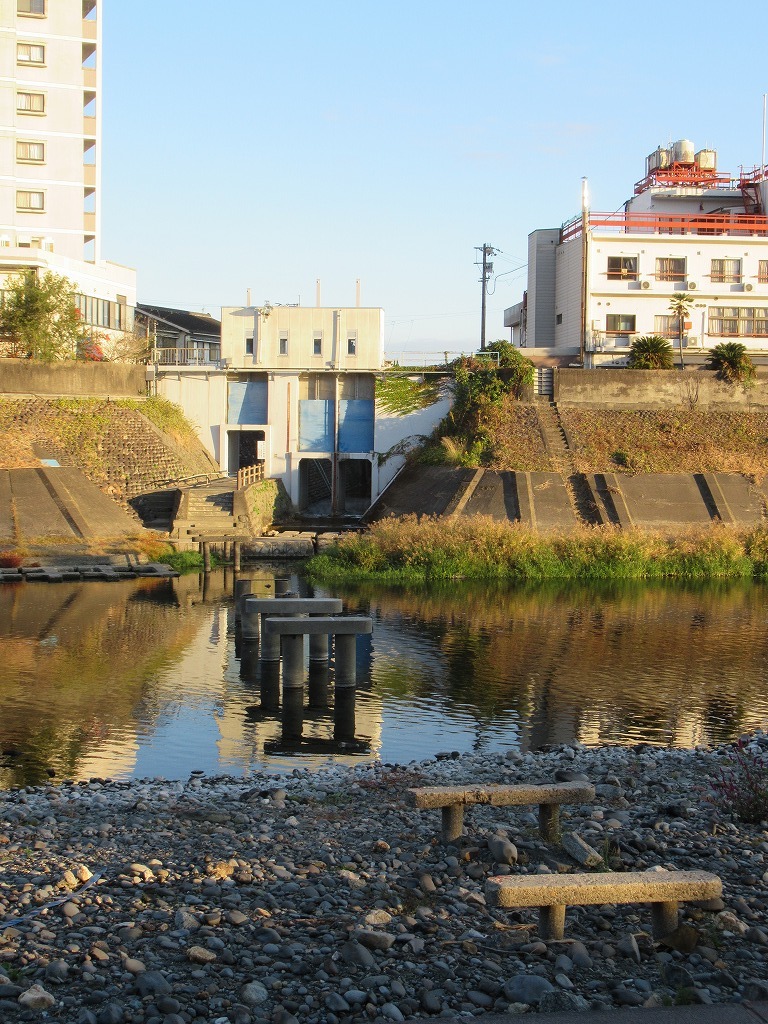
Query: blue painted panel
[[247, 401], [356, 425], [316, 426]]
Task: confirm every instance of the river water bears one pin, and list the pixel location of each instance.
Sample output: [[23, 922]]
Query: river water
[[143, 678]]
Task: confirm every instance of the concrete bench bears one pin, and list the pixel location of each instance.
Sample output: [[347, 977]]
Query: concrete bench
[[553, 893], [453, 799], [343, 628]]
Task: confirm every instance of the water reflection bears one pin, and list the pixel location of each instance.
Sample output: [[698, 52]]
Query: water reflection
[[143, 677]]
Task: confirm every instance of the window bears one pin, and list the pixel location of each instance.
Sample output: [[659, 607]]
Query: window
[[283, 344], [30, 102], [620, 323], [670, 268], [33, 7], [317, 344], [30, 53], [31, 201], [762, 272], [249, 346], [559, 319], [665, 325], [622, 268], [352, 345], [738, 321], [30, 152], [726, 271]]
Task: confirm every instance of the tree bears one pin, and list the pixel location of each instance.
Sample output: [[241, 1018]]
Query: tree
[[40, 318], [651, 352], [732, 363], [680, 307]]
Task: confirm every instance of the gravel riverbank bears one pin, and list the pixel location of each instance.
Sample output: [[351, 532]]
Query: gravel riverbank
[[322, 897]]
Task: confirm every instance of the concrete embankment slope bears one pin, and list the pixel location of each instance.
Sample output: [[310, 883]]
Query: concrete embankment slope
[[556, 502], [58, 503]]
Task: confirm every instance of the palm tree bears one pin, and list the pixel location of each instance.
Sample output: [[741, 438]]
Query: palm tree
[[680, 307], [651, 352], [732, 363]]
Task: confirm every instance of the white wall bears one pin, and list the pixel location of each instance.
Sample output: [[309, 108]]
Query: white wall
[[391, 429], [203, 397]]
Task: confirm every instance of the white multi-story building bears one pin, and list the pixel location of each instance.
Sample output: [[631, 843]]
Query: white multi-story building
[[50, 154], [603, 279]]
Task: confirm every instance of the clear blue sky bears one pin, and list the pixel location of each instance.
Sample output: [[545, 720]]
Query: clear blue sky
[[263, 145]]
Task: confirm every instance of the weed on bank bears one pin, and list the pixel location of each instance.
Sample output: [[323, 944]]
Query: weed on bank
[[410, 549]]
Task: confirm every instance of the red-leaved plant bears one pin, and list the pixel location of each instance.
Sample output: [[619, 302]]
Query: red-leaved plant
[[10, 560], [741, 788]]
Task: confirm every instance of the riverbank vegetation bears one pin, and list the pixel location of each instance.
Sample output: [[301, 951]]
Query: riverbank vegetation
[[412, 550]]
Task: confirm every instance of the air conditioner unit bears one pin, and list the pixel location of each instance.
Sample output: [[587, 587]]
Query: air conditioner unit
[[692, 286], [693, 341], [646, 284], [748, 287]]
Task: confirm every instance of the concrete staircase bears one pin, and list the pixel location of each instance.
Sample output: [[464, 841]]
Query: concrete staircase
[[557, 445], [206, 511]]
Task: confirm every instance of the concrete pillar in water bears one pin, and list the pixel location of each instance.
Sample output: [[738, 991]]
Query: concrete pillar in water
[[249, 659], [319, 648], [250, 623], [227, 550], [206, 556], [317, 688], [345, 647], [270, 685], [236, 555], [282, 587], [242, 590], [293, 714], [270, 644], [344, 714], [293, 662]]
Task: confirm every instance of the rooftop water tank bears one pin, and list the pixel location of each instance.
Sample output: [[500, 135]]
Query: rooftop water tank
[[657, 160], [683, 151], [707, 159]]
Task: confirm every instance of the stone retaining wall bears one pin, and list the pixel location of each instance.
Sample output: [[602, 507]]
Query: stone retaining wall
[[116, 380], [637, 389]]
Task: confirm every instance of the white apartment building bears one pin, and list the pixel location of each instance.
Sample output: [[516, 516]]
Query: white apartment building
[[50, 154], [603, 279]]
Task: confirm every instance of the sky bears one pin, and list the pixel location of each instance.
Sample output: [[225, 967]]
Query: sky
[[266, 145]]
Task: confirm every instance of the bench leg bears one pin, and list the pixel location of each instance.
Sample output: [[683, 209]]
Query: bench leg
[[453, 822], [549, 822], [551, 922], [664, 917]]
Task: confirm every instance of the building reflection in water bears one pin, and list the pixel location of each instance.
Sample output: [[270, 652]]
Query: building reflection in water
[[147, 677]]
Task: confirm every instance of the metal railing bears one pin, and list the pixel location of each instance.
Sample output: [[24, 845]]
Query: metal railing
[[205, 355]]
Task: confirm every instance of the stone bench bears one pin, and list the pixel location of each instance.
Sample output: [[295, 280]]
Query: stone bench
[[453, 799], [343, 628], [553, 893]]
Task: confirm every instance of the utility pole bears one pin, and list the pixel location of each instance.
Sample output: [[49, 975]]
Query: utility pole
[[487, 269]]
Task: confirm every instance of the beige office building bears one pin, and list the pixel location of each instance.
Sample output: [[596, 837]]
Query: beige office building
[[50, 153]]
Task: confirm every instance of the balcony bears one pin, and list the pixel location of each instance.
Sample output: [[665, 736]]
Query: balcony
[[89, 175], [90, 29], [703, 224], [89, 223], [89, 127], [203, 355], [89, 78]]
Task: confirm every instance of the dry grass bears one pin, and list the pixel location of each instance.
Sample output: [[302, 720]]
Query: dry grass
[[668, 441]]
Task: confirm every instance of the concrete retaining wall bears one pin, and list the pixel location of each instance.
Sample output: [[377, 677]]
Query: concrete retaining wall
[[116, 380], [655, 389]]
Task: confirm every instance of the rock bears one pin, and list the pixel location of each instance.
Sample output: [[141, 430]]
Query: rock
[[580, 850], [36, 998], [152, 983], [353, 953], [628, 946], [527, 988], [200, 955], [392, 1012], [254, 993], [558, 1001], [684, 939], [502, 851], [112, 1013], [580, 955], [374, 940]]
